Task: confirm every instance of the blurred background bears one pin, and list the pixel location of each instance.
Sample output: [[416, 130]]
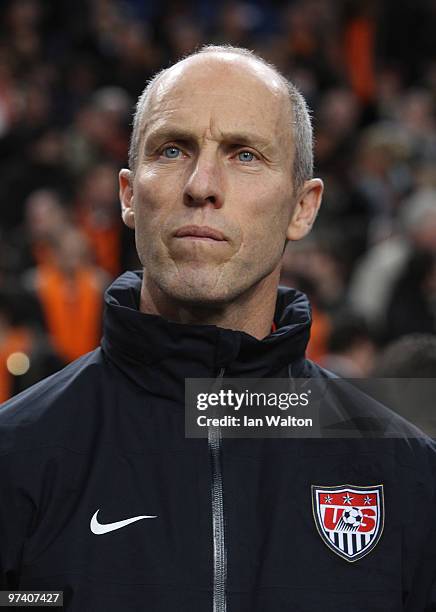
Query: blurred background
[[70, 73]]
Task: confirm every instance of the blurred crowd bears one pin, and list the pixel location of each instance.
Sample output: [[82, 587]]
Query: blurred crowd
[[70, 73]]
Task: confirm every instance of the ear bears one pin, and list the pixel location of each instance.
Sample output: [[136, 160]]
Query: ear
[[126, 197], [306, 209]]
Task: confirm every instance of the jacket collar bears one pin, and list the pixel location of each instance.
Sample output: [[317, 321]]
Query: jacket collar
[[159, 354]]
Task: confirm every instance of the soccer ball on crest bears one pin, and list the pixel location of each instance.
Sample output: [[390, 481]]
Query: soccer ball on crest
[[352, 516]]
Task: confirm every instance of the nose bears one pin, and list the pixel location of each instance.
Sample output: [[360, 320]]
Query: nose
[[205, 183]]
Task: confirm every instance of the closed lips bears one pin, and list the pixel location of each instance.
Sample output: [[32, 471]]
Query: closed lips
[[197, 231]]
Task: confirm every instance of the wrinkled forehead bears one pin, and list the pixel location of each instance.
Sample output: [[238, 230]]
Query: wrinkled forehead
[[217, 78]]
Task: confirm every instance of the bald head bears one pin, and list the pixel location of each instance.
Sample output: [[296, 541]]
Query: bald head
[[220, 179], [211, 62]]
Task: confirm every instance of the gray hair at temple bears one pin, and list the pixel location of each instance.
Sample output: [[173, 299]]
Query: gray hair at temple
[[301, 124]]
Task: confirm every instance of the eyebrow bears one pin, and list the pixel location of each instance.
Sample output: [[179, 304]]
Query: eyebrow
[[247, 138], [167, 133], [178, 134]]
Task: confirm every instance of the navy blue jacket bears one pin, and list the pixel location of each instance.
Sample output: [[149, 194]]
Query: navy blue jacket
[[234, 529]]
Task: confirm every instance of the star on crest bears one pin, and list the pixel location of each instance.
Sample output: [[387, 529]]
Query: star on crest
[[328, 499], [347, 498], [367, 500]]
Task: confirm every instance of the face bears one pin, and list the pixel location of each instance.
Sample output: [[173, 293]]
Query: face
[[212, 199]]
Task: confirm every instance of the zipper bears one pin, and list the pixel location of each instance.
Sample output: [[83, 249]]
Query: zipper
[[218, 529]]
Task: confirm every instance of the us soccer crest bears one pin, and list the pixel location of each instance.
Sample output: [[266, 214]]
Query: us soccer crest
[[349, 519]]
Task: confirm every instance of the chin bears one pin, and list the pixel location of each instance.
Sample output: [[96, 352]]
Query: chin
[[203, 286], [200, 296], [200, 291]]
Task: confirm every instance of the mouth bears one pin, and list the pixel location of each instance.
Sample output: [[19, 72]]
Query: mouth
[[199, 232]]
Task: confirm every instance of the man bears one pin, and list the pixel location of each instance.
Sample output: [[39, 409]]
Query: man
[[104, 497]]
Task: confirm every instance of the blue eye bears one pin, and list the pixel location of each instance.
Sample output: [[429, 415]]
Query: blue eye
[[246, 156], [171, 152]]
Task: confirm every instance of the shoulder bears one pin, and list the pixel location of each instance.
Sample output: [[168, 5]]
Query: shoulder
[[353, 410], [313, 370], [43, 413]]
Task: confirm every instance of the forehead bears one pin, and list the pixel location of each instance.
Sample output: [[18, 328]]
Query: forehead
[[227, 93]]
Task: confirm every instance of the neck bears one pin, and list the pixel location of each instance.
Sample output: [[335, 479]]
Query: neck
[[252, 312]]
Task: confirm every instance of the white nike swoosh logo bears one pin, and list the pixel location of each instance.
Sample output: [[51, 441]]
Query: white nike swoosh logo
[[100, 529]]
